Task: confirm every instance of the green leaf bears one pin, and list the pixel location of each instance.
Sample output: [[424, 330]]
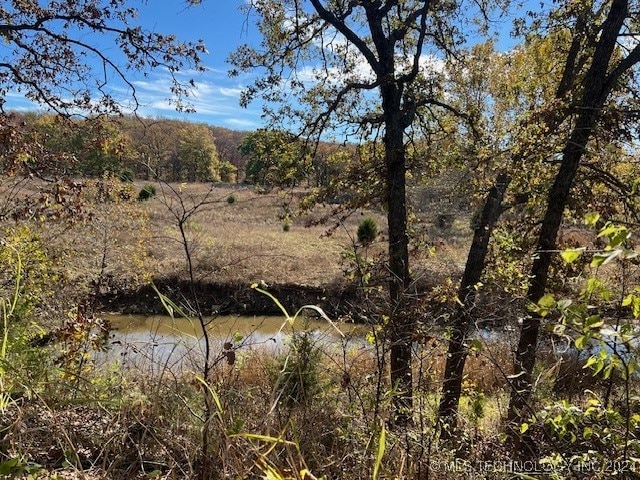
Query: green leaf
[[593, 321], [601, 259], [590, 362], [633, 301], [8, 466], [598, 365], [564, 303], [619, 237], [572, 254], [636, 307], [547, 301], [616, 234], [608, 230], [591, 219], [524, 427], [237, 337], [370, 338], [380, 452], [544, 305], [582, 342], [592, 286]]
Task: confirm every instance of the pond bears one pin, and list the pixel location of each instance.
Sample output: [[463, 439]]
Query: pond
[[177, 342]]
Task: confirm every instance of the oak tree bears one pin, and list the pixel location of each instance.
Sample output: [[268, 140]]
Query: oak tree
[[197, 154], [526, 98], [599, 63], [276, 158], [515, 95], [367, 69]]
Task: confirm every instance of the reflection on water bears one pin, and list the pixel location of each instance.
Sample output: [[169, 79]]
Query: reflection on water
[[162, 339]]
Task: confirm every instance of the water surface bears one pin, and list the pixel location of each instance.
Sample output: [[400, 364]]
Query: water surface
[[162, 339]]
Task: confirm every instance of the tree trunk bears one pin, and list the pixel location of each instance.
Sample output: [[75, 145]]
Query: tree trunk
[[597, 86], [401, 321], [457, 353], [525, 356]]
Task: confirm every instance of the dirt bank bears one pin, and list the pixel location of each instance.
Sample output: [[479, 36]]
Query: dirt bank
[[229, 298]]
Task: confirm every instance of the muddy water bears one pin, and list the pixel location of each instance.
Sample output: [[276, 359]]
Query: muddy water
[[159, 340]]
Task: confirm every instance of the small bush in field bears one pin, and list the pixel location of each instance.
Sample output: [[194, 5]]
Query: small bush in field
[[231, 199], [296, 375], [127, 175], [147, 192], [444, 221], [367, 231]]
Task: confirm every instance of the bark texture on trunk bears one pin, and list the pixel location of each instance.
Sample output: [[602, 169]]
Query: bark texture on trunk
[[401, 323], [457, 352]]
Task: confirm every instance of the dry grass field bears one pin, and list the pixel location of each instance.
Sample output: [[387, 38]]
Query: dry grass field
[[246, 240], [235, 235]]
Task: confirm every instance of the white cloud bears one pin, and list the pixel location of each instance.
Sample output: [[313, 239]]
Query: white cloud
[[231, 92], [242, 124], [162, 86], [214, 97]]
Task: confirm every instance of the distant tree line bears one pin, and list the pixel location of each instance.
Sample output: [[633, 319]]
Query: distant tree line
[[170, 150], [176, 151]]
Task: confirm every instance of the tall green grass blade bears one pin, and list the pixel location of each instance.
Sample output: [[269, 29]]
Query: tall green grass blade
[[291, 319], [382, 439], [174, 309], [275, 300], [321, 312], [213, 394], [264, 438], [5, 397], [5, 332]]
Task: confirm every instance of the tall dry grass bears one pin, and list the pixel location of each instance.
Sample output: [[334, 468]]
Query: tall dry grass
[[140, 419]]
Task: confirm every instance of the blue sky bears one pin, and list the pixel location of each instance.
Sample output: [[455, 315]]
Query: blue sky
[[223, 27]]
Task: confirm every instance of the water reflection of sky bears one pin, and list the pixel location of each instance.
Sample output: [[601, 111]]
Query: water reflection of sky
[[177, 344]]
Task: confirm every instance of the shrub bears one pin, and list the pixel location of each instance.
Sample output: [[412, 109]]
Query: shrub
[[127, 175], [286, 222], [296, 374], [367, 231], [108, 189], [228, 172], [147, 192], [231, 199]]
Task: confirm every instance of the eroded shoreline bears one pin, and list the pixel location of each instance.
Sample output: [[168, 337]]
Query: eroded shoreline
[[228, 298]]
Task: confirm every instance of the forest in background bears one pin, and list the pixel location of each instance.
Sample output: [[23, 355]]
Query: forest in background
[[171, 150]]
